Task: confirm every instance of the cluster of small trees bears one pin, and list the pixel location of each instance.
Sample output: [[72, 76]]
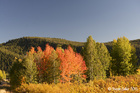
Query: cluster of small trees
[[97, 59], [121, 61], [53, 66]]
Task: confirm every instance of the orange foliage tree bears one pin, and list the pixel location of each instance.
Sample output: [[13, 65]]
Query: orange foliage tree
[[59, 65], [47, 64], [72, 64]]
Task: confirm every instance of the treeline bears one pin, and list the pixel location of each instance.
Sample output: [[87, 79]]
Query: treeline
[[65, 65], [24, 44]]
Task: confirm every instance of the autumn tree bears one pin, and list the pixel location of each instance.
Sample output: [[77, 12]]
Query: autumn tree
[[55, 64], [92, 60], [48, 65], [72, 64], [104, 57], [24, 69], [38, 58], [122, 55], [16, 73], [134, 61], [30, 67]]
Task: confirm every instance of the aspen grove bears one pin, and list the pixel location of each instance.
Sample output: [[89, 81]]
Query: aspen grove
[[52, 66], [66, 67]]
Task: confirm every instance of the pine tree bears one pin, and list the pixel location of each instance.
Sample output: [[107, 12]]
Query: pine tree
[[121, 57], [93, 63]]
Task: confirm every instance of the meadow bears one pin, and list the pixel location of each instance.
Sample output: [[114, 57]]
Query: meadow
[[116, 84]]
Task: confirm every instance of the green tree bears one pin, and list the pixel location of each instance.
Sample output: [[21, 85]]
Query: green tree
[[134, 61], [122, 57], [23, 71], [92, 61], [30, 68], [53, 70], [16, 73], [104, 57]]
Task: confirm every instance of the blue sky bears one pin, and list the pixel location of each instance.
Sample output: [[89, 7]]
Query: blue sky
[[72, 20]]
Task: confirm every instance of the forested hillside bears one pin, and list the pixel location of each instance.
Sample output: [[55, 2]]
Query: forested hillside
[[19, 47]]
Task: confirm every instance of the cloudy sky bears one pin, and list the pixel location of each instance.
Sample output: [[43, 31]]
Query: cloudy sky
[[72, 20]]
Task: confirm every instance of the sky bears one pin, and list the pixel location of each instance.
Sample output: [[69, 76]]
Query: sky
[[73, 20]]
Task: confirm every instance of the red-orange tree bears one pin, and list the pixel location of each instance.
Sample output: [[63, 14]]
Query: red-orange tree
[[47, 64], [72, 64], [64, 66]]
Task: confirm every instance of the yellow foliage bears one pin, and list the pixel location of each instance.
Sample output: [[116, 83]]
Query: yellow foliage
[[118, 84], [138, 71]]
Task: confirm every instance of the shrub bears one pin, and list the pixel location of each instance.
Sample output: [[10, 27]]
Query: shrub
[[118, 84]]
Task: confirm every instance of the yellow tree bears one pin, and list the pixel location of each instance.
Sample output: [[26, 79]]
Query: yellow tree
[[121, 57]]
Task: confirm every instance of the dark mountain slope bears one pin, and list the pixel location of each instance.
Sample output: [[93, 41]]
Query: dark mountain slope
[[24, 44]]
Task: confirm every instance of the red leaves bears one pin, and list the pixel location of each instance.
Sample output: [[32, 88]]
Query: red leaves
[[44, 63], [32, 50], [71, 63]]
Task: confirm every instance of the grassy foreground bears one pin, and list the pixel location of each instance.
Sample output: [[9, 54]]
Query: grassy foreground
[[117, 84]]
